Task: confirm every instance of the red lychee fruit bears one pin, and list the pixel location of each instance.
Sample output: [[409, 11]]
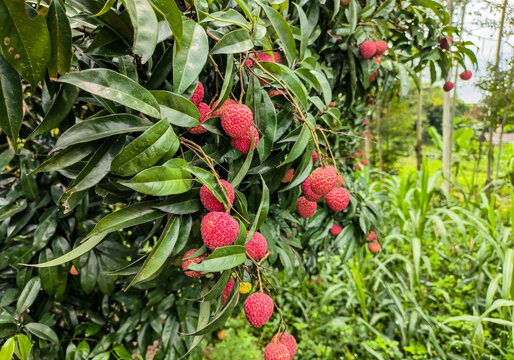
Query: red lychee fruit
[[219, 229], [197, 96], [445, 42], [384, 112], [381, 46], [288, 340], [275, 351], [335, 230], [372, 236], [466, 75], [373, 76], [227, 290], [242, 144], [448, 86], [305, 207], [340, 180], [374, 247], [332, 104], [307, 191], [364, 162], [323, 180], [377, 61], [289, 176], [204, 110], [366, 122], [209, 200], [236, 120], [186, 262], [222, 108], [257, 246], [367, 49], [338, 199], [314, 157], [318, 281], [258, 309], [278, 57]]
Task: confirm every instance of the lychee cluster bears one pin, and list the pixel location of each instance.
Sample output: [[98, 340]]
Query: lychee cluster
[[236, 120], [281, 347], [374, 245], [186, 261], [368, 49]]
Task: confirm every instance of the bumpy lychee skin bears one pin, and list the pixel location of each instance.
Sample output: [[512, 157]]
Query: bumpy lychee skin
[[448, 86], [236, 120], [445, 42], [307, 191], [227, 290], [258, 309], [219, 229], [381, 47], [289, 176], [204, 110], [374, 247], [278, 57], [257, 246], [323, 180], [305, 207], [367, 49], [314, 157], [274, 351], [242, 144], [340, 180], [338, 199], [288, 340], [222, 108], [466, 75], [197, 96], [209, 200], [335, 230], [372, 236], [186, 262]]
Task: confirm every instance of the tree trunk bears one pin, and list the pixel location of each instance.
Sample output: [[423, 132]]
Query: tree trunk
[[505, 112], [419, 127], [447, 127]]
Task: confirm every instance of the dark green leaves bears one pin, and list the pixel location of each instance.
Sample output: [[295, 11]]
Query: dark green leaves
[[236, 41], [11, 99], [60, 37], [146, 28], [160, 181], [28, 295], [222, 258], [172, 14], [114, 86], [42, 331], [177, 109]]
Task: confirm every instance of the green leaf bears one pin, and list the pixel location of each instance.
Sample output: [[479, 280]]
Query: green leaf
[[304, 35], [23, 346], [28, 295], [177, 109], [27, 37], [7, 351], [146, 27], [291, 80], [66, 157], [302, 172], [101, 127], [107, 6], [218, 287], [45, 230], [51, 278], [262, 212], [11, 100], [160, 181], [144, 151], [5, 158], [268, 124], [353, 15], [187, 203], [59, 109], [190, 59], [203, 319], [173, 15], [60, 38], [207, 178], [300, 144], [89, 272], [244, 169], [222, 258], [42, 331], [114, 86], [160, 252], [236, 41]]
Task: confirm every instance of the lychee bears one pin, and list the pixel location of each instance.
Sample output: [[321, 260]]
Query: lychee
[[377, 61], [288, 340], [242, 144], [381, 47], [335, 230], [222, 108], [340, 180], [372, 236], [219, 229], [332, 104], [466, 75], [314, 157], [374, 247], [367, 49], [209, 200], [318, 281], [289, 175], [222, 334], [323, 180], [278, 57], [186, 262], [227, 290], [445, 42], [373, 76], [204, 110], [338, 199], [197, 96], [305, 207], [258, 309], [448, 86], [307, 191], [364, 162], [236, 120], [366, 122], [257, 246], [274, 351]]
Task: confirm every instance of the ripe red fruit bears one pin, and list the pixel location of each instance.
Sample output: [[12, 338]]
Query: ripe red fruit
[[275, 351], [219, 229], [242, 144], [307, 191], [314, 157], [332, 104], [278, 57], [209, 200], [366, 122], [236, 120], [340, 180], [289, 176], [258, 309], [257, 246], [372, 236], [377, 61], [323, 180], [367, 49], [338, 199], [381, 46], [222, 108], [305, 207], [445, 42], [288, 341], [197, 96], [204, 110], [186, 262], [448, 86], [364, 162], [373, 76], [318, 281], [227, 290], [466, 75], [374, 247], [384, 112], [335, 230]]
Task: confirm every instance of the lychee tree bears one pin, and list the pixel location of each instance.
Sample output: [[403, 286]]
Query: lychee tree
[[158, 154]]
